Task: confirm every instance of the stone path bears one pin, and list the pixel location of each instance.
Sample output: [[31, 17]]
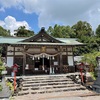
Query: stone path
[[58, 96], [66, 98], [5, 93]]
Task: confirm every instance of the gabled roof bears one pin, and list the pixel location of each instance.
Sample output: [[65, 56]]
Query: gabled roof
[[42, 36]]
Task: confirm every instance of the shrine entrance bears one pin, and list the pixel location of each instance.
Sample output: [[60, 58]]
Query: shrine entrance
[[42, 65]]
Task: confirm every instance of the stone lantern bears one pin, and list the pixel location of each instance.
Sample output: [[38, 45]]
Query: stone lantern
[[96, 85]]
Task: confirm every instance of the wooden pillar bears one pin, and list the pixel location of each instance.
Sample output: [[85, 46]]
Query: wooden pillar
[[14, 56], [73, 59], [58, 63], [67, 57], [50, 71], [24, 61], [61, 64], [6, 53]]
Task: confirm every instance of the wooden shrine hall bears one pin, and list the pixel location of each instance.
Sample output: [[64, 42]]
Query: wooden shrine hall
[[40, 54]]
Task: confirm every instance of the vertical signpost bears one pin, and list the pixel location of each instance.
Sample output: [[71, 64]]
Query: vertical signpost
[[15, 69]]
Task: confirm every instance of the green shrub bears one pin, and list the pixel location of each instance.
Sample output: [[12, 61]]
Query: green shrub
[[11, 87], [1, 66], [0, 88]]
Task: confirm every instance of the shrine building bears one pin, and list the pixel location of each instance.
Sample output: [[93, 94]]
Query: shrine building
[[40, 54]]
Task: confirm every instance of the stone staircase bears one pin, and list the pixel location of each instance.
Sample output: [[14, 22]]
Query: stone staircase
[[49, 84]]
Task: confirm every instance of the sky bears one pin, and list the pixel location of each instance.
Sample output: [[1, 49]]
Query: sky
[[35, 14]]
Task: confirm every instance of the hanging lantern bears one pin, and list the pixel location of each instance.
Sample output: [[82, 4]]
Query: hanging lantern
[[53, 58], [48, 57], [33, 58], [43, 56], [38, 58]]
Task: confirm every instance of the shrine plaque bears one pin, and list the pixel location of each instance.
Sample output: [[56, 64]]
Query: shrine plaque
[[43, 49]]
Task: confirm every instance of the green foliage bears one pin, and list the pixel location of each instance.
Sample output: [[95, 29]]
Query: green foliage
[[82, 28], [1, 66], [61, 31], [23, 32], [1, 63], [92, 45], [4, 32], [11, 87], [79, 30], [0, 88], [94, 75], [0, 50], [90, 58], [98, 31], [83, 31]]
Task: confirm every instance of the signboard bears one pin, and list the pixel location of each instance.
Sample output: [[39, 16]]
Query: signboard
[[15, 68], [27, 66], [56, 63]]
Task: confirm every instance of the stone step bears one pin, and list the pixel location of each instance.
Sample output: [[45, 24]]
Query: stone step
[[41, 91], [47, 83], [23, 93], [49, 86], [45, 76], [57, 90], [43, 81]]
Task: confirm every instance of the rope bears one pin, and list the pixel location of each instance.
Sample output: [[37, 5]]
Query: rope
[[41, 54]]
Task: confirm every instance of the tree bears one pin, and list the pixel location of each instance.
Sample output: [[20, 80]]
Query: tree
[[61, 31], [23, 32], [57, 32], [4, 32], [90, 58], [92, 45], [82, 28], [98, 31]]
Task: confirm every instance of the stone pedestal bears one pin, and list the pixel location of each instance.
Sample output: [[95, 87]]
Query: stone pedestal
[[96, 85]]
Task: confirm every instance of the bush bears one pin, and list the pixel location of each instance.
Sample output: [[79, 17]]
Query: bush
[[1, 66], [11, 87], [0, 88]]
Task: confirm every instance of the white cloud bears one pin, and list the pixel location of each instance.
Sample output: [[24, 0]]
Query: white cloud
[[11, 24], [50, 12], [9, 3]]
